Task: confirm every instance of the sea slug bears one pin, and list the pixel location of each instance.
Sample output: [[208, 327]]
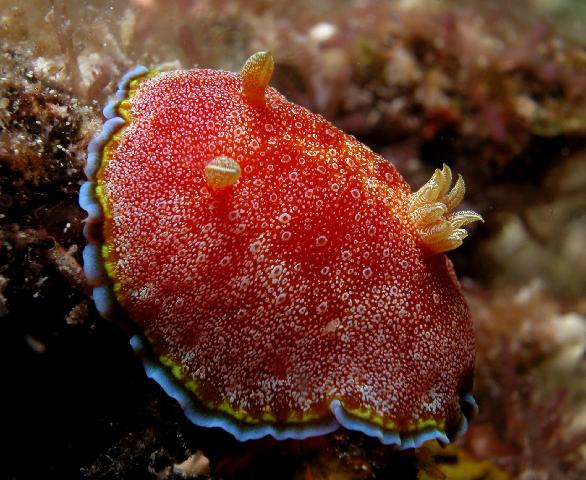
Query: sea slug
[[281, 278]]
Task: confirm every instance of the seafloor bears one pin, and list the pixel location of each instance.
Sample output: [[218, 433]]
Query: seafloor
[[497, 90]]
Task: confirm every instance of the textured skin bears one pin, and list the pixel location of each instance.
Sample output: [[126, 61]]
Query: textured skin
[[303, 283]]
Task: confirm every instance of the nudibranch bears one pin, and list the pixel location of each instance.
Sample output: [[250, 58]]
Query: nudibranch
[[281, 277]]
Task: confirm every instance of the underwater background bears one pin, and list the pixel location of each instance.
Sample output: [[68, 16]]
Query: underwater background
[[494, 89]]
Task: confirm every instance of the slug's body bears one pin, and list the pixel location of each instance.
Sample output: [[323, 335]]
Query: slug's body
[[284, 278]]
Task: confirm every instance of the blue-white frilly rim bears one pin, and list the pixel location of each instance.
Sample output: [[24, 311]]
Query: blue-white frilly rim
[[106, 305], [92, 259], [203, 417]]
